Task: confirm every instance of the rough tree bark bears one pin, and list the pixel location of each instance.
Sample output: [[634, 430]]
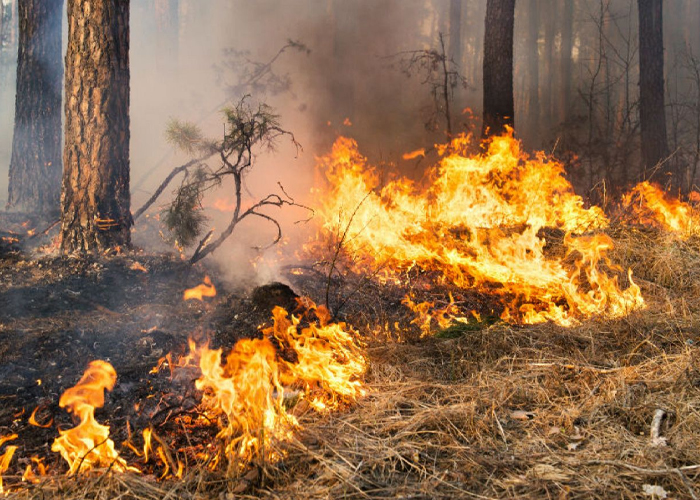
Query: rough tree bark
[[652, 114], [95, 202], [498, 67], [35, 166]]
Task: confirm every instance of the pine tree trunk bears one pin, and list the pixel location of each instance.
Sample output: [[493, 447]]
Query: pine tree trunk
[[95, 201], [498, 67], [652, 115], [35, 166]]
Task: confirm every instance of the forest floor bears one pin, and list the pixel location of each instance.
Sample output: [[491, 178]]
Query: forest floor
[[497, 411]]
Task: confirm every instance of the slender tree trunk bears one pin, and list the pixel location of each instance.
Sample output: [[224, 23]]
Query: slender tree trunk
[[652, 115], [95, 201], [567, 44], [498, 67], [456, 43], [35, 166]]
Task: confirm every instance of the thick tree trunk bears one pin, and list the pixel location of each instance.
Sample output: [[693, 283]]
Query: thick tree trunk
[[95, 202], [498, 67], [35, 166], [652, 115]]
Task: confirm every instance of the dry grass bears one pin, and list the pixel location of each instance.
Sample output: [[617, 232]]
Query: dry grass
[[501, 412]]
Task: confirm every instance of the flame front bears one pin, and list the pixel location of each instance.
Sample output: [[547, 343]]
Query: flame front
[[249, 389], [88, 445], [479, 221]]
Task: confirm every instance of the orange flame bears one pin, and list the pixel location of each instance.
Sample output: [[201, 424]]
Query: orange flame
[[206, 289], [6, 457], [250, 388], [88, 445], [653, 207], [414, 154], [477, 219], [32, 420]]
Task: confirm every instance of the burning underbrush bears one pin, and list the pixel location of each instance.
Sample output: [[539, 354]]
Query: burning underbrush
[[496, 234], [547, 349]]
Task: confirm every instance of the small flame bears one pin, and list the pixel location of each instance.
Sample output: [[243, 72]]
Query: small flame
[[205, 289], [414, 154], [29, 475], [653, 207], [6, 457], [88, 445], [137, 266], [32, 420]]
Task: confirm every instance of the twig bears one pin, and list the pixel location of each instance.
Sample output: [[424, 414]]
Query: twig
[[655, 434], [165, 183]]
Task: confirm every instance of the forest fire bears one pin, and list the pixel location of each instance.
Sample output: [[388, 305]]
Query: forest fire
[[87, 445], [320, 363], [652, 207], [480, 221], [256, 394]]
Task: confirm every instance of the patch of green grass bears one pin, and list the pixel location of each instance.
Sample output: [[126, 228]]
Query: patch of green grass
[[459, 329]]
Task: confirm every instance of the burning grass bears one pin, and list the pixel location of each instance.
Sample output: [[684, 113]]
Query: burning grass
[[461, 397]]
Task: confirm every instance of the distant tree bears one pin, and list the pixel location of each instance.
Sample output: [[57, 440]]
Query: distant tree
[[531, 133], [567, 44], [95, 202], [652, 113], [35, 166], [498, 107], [456, 42], [168, 33]]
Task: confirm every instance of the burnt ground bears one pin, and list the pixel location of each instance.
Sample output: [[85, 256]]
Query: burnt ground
[[57, 314]]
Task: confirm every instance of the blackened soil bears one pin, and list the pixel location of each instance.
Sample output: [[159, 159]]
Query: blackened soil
[[57, 314]]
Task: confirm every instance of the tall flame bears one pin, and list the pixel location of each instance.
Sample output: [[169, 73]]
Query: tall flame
[[88, 445], [478, 220], [249, 389]]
